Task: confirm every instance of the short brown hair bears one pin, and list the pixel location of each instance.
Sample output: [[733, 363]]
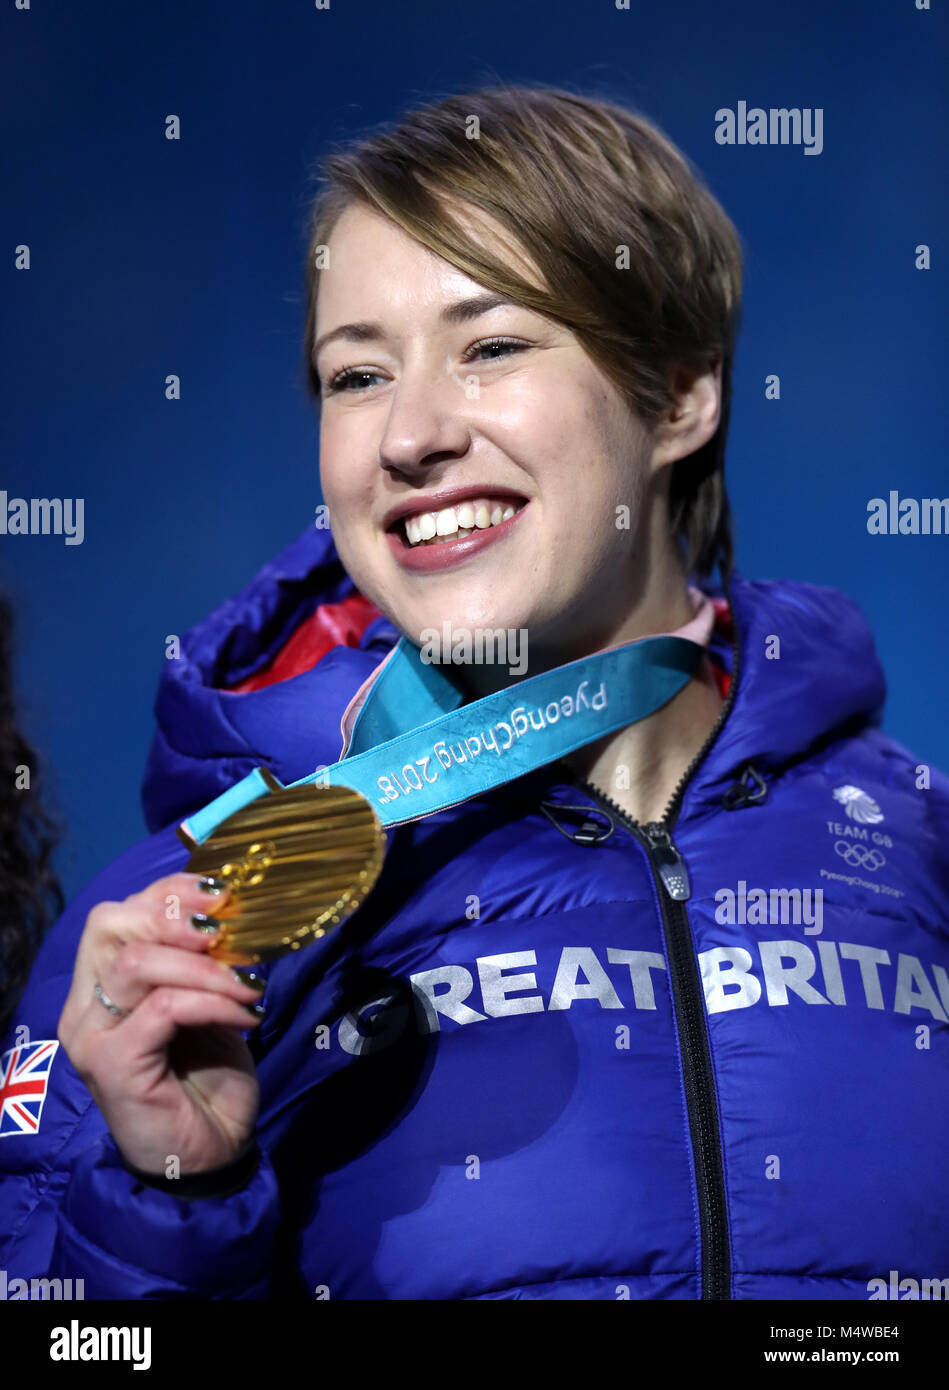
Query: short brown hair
[[575, 180]]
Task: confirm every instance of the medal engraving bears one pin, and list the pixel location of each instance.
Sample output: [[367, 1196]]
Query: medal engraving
[[298, 861]]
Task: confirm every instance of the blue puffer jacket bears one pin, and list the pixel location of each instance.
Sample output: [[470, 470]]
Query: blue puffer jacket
[[521, 1069]]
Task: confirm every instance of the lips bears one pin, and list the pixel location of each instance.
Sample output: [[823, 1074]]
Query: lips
[[448, 552], [448, 497]]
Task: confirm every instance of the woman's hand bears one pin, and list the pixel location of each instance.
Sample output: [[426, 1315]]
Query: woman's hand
[[172, 1076]]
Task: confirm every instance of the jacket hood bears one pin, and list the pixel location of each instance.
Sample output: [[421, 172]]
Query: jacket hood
[[209, 737], [807, 669]]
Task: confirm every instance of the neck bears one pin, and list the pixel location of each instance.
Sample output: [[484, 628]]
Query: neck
[[640, 767]]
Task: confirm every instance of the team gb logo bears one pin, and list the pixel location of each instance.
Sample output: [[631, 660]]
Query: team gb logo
[[858, 805]]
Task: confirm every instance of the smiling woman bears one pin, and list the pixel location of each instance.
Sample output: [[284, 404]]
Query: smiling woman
[[521, 318], [413, 424]]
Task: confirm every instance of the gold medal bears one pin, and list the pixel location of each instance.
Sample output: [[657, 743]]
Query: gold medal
[[298, 862]]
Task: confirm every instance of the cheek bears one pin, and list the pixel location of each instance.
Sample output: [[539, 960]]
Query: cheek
[[347, 490]]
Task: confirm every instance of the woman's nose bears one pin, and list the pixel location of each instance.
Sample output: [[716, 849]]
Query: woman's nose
[[426, 422]]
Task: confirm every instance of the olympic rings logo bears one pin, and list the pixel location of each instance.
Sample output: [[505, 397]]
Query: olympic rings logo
[[858, 857]]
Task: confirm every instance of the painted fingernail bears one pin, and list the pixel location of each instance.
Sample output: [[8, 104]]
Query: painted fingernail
[[201, 922], [247, 977], [257, 1010], [211, 885]]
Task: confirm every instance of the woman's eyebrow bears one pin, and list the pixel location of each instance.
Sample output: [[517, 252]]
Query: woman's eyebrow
[[461, 311]]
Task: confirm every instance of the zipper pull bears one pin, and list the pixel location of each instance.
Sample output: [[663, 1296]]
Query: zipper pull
[[669, 862]]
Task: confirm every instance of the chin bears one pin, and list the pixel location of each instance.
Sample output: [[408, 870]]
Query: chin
[[475, 616]]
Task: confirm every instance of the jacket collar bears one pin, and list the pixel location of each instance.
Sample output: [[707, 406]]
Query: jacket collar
[[806, 671]]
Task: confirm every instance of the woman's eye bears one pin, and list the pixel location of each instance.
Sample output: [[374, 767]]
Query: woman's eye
[[341, 382], [489, 344]]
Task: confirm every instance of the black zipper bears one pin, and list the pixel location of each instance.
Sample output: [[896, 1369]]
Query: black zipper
[[672, 881]]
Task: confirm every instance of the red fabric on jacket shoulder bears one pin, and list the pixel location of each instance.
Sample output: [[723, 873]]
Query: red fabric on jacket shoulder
[[332, 625], [723, 626]]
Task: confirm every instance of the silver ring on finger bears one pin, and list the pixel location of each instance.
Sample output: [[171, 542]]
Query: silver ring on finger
[[108, 1003]]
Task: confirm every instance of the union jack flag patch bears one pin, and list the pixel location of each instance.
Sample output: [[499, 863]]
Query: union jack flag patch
[[24, 1077]]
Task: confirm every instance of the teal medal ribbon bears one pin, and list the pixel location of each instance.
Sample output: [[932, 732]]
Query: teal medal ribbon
[[418, 748]]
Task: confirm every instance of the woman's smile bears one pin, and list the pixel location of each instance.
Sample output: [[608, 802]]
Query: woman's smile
[[433, 540]]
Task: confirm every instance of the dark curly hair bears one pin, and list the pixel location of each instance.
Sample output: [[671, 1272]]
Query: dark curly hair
[[30, 895]]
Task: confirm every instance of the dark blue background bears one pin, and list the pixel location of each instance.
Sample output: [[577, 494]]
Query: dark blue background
[[152, 257]]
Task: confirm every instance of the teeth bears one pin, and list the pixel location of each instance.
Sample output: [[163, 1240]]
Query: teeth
[[429, 528]]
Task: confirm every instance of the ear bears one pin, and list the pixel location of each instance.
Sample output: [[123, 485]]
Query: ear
[[693, 417]]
